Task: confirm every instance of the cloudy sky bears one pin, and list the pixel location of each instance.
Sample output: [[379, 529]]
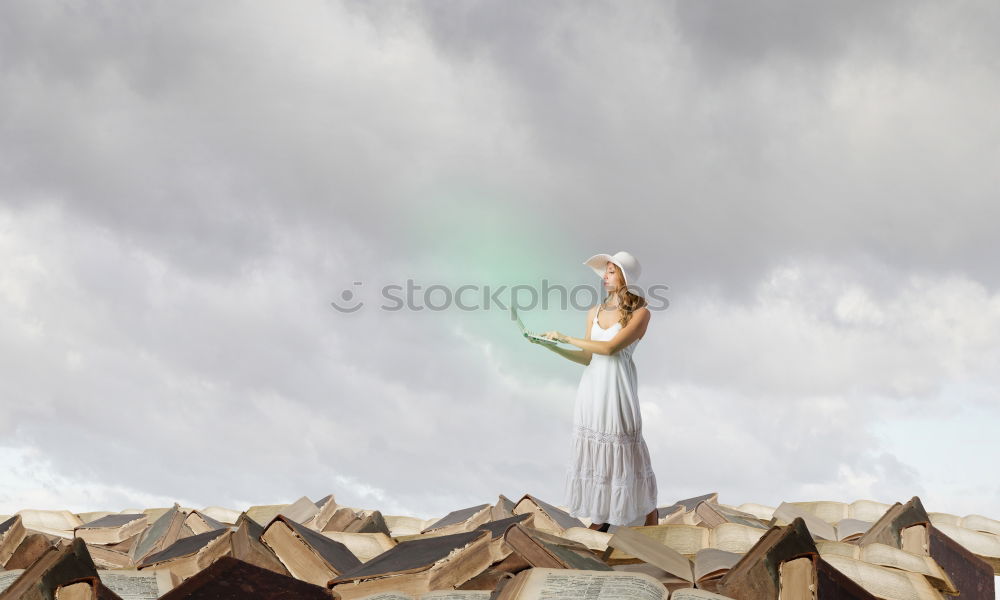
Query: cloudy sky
[[187, 187]]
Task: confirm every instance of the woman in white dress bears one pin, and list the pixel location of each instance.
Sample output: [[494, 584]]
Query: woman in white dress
[[609, 480]]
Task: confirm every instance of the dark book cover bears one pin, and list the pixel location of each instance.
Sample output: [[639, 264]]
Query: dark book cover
[[505, 505], [112, 521], [488, 579], [898, 517], [154, 533], [456, 516], [497, 528], [373, 523], [336, 554], [412, 555], [248, 548], [12, 535], [230, 579], [184, 547], [254, 529], [55, 567], [542, 549], [666, 511], [731, 515], [831, 584], [561, 517], [687, 504], [6, 525], [212, 523], [972, 576], [756, 575], [28, 551]]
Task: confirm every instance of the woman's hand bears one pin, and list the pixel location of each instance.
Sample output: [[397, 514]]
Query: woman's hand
[[554, 335]]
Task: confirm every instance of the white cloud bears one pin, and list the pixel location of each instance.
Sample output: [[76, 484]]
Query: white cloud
[[798, 395], [30, 480]]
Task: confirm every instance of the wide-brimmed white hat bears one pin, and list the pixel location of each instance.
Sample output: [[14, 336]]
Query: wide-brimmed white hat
[[626, 262]]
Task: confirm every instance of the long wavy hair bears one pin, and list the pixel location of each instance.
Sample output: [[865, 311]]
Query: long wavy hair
[[627, 301]]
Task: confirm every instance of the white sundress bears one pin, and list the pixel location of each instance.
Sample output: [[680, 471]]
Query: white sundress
[[609, 479]]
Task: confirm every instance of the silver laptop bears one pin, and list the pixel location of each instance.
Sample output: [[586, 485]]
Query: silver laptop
[[528, 334]]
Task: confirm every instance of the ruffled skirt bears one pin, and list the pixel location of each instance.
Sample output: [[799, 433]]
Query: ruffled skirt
[[610, 479]]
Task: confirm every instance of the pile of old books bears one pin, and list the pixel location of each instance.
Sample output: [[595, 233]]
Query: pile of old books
[[524, 550]]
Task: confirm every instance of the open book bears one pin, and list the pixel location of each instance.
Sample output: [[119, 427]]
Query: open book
[[708, 563], [887, 556], [538, 583]]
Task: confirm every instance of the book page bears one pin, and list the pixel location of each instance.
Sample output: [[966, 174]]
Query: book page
[[827, 510], [849, 527], [695, 594], [689, 517], [713, 560], [136, 585], [884, 582], [733, 537], [914, 539], [653, 552], [591, 538], [981, 523], [655, 572], [826, 547], [75, 591], [405, 525], [223, 515], [981, 544], [435, 595], [761, 511], [716, 514], [365, 546], [938, 518], [887, 556], [867, 510], [686, 539], [8, 577], [552, 584], [796, 579], [787, 512], [43, 520]]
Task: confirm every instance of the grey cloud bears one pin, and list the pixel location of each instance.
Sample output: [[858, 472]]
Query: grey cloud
[[219, 172], [732, 36], [225, 137], [652, 112]]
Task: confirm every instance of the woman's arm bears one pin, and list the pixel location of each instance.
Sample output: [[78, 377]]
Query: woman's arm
[[578, 356], [634, 330]]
